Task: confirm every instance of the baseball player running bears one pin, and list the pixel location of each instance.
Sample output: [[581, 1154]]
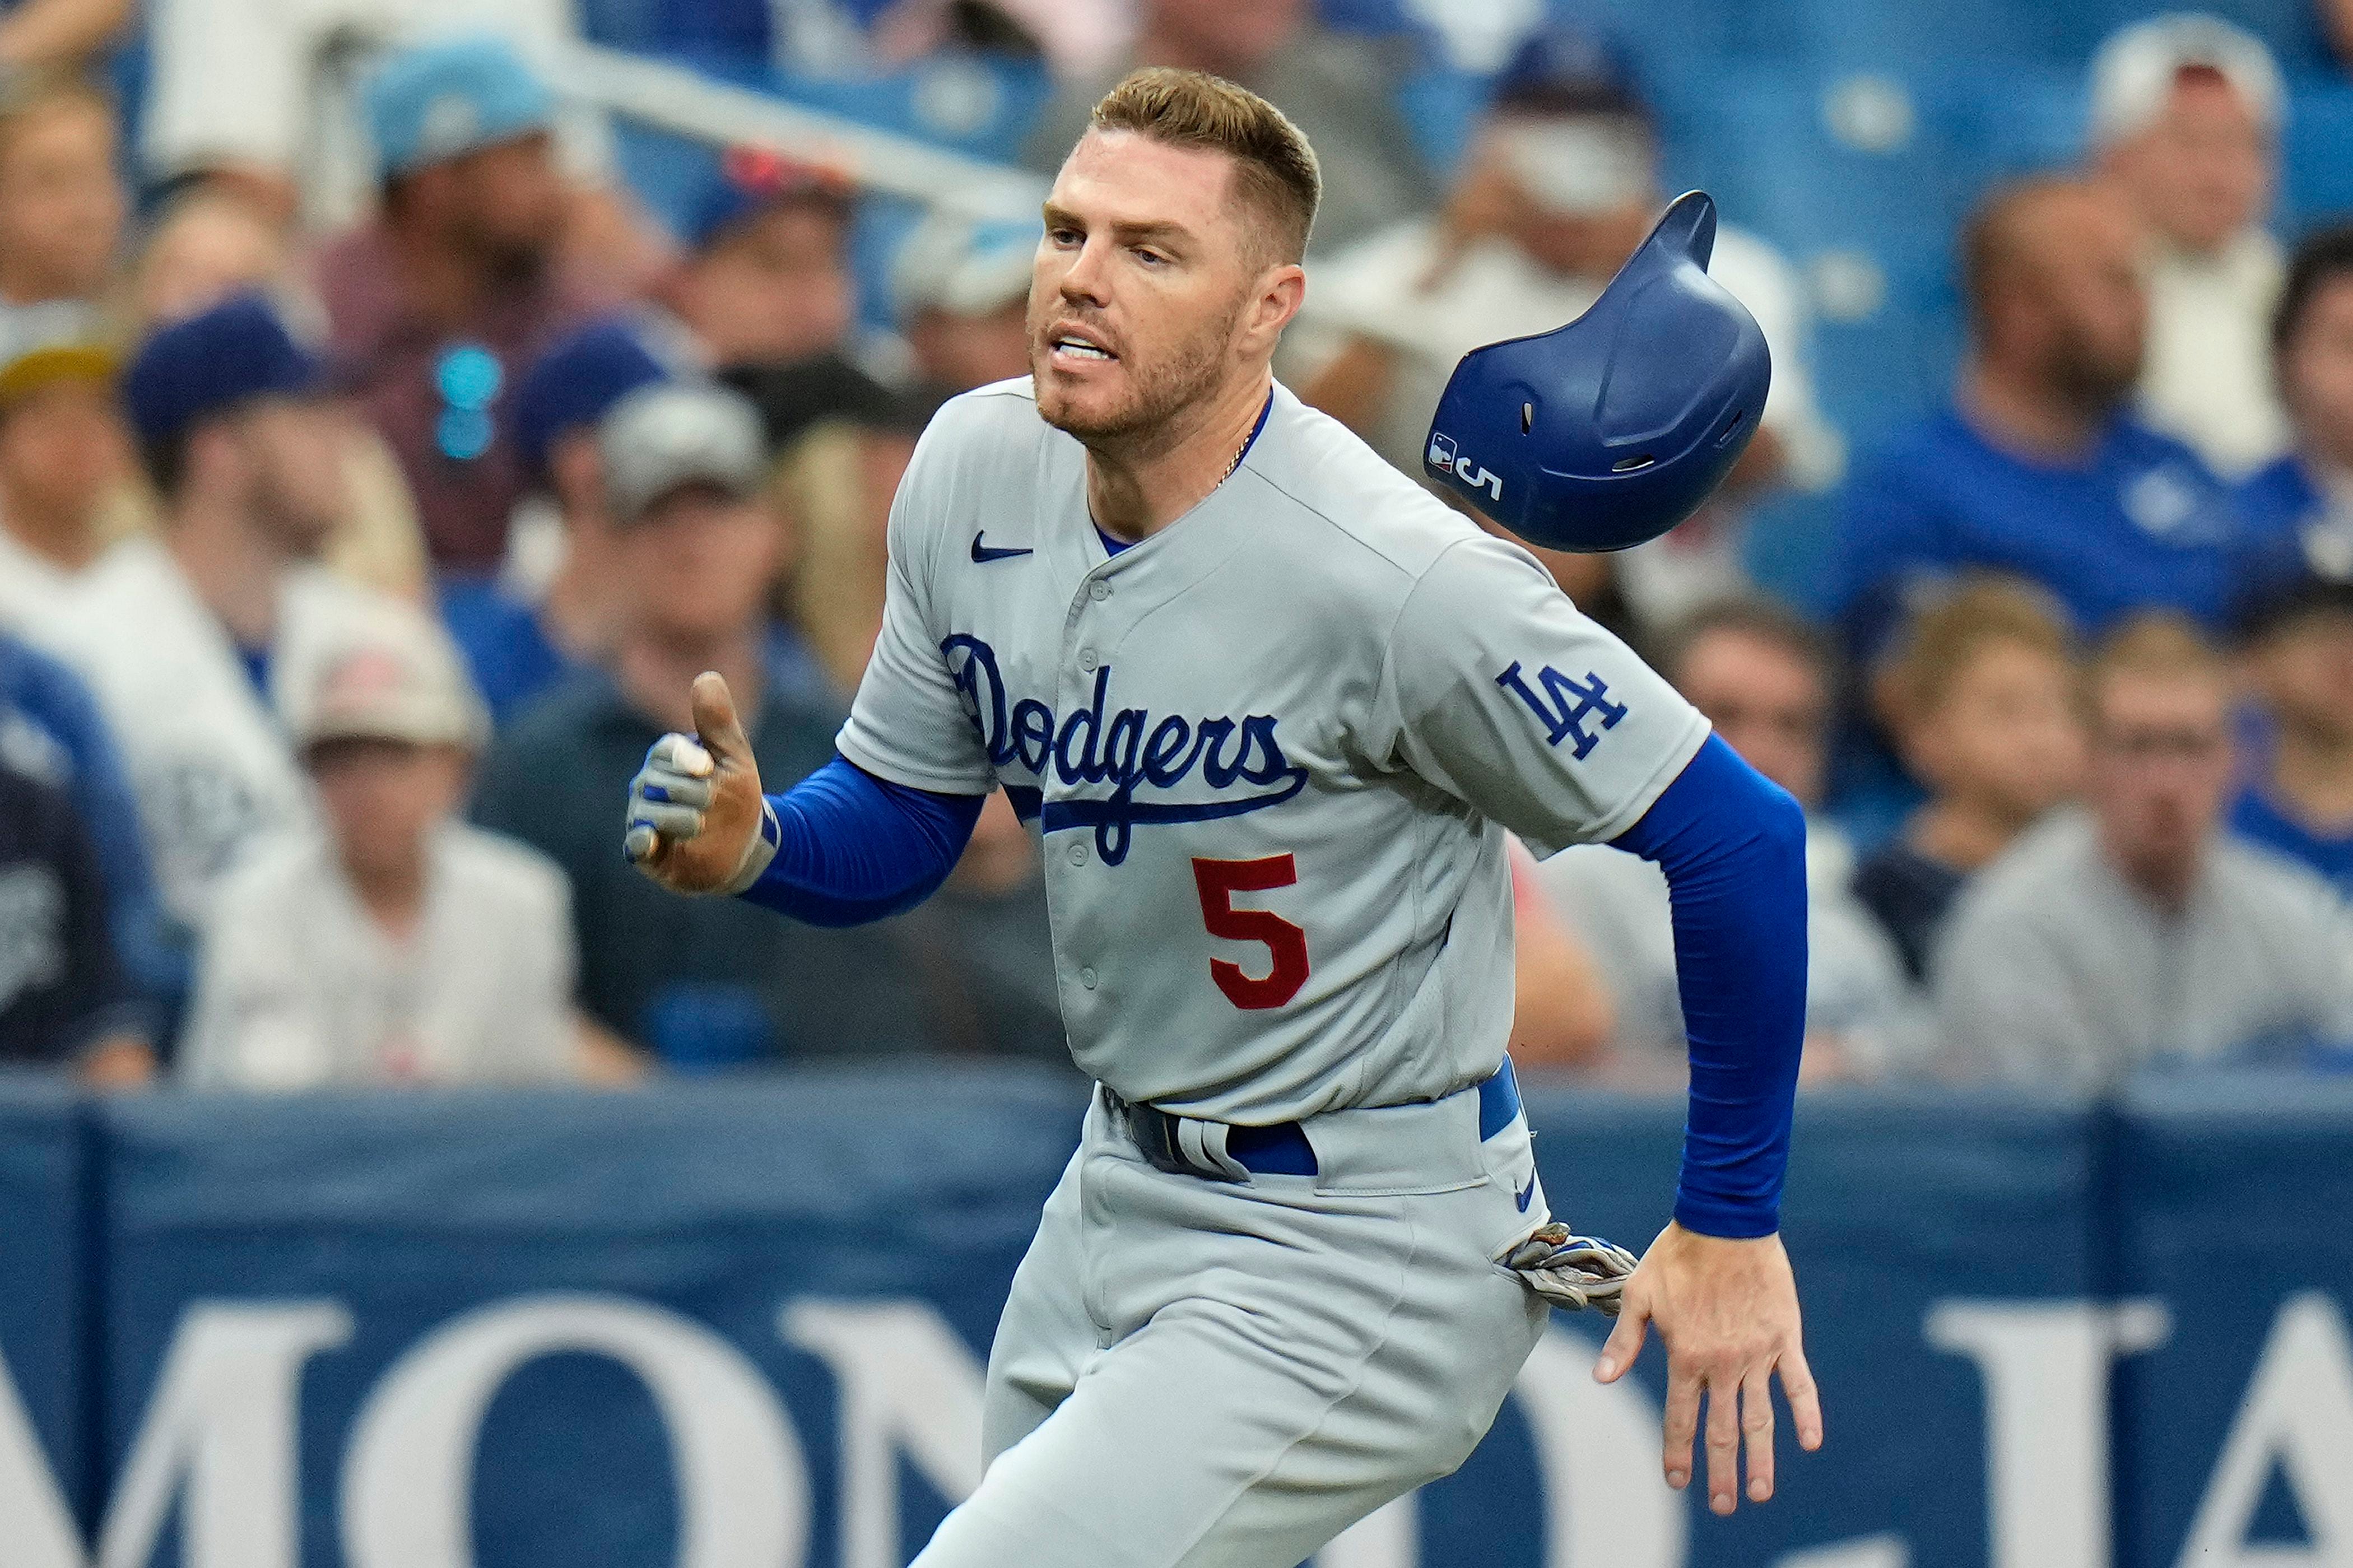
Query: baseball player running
[[1270, 708]]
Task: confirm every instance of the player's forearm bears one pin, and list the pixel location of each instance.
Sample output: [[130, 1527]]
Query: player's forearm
[[851, 848], [1733, 847]]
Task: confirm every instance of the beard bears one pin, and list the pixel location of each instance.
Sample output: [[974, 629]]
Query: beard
[[2090, 379], [1157, 391]]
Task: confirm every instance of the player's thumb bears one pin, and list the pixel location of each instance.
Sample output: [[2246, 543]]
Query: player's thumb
[[1625, 1341], [715, 723]]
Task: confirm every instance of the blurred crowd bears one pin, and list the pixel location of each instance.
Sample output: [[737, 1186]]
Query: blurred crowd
[[368, 502]]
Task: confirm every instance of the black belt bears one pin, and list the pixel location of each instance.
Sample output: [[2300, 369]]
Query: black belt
[[1282, 1150]]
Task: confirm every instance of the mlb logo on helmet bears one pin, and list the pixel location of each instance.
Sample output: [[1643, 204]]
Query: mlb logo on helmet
[[1442, 461]]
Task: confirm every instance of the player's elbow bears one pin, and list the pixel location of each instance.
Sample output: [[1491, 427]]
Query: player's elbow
[[1780, 826]]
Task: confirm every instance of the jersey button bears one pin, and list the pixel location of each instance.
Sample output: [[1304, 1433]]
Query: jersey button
[[1099, 590], [1087, 978], [1078, 853], [1087, 659]]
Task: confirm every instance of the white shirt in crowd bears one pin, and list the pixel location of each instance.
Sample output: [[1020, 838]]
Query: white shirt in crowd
[[1495, 291], [1855, 986], [2053, 970], [274, 83], [207, 758], [300, 988], [30, 583], [2207, 379]]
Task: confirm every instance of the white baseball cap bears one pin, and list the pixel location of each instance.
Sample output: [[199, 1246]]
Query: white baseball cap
[[963, 267], [2134, 70], [663, 437], [393, 676]]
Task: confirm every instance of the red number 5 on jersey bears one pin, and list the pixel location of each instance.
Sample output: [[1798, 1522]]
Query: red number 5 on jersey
[[1285, 944]]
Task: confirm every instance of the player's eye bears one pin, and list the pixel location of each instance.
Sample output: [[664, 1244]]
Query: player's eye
[[1066, 237], [1150, 257]]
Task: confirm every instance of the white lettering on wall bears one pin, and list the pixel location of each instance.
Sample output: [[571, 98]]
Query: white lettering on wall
[[2047, 1367], [408, 1487], [1606, 1505], [2298, 1416], [222, 1417], [40, 1528], [907, 1386]]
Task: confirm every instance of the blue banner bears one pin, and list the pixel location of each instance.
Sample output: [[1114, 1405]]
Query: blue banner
[[743, 1325]]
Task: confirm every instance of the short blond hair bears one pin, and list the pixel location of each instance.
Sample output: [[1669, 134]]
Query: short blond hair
[[1949, 635], [1274, 168], [2159, 644]]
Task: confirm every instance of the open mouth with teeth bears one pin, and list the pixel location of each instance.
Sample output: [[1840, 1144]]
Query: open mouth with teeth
[[1070, 349]]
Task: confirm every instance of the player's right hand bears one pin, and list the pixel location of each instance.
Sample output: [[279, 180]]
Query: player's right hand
[[693, 821]]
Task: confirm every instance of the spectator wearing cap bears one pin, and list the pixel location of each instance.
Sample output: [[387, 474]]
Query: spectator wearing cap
[[2296, 791], [2039, 468], [64, 454], [390, 943], [208, 242], [960, 289], [1339, 90], [2186, 113], [523, 638], [764, 278], [62, 204], [1763, 678], [2299, 507], [189, 637], [439, 302], [696, 547], [2138, 930], [1981, 700], [1560, 186]]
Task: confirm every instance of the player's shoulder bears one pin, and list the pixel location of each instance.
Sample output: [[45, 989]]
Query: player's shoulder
[[979, 421], [1348, 507]]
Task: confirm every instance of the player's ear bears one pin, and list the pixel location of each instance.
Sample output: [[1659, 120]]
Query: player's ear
[[1282, 289]]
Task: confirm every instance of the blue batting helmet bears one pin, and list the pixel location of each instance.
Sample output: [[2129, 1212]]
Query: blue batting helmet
[[1612, 430]]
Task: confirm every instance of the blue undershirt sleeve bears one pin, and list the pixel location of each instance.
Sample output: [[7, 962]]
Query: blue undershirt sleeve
[[854, 847], [1733, 846]]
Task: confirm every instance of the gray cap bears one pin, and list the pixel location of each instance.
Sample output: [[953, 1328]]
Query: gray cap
[[661, 437], [388, 674], [964, 267]]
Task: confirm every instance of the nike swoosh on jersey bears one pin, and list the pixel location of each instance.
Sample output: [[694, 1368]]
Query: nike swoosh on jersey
[[1526, 1192], [982, 553]]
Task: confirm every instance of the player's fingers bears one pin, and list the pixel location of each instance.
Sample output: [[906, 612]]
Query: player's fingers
[[715, 724], [640, 845], [1625, 1341], [1722, 1443], [1805, 1399], [1757, 1430], [680, 754], [666, 785], [1681, 1422], [676, 823]]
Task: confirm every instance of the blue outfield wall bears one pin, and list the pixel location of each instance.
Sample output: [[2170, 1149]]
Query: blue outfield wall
[[743, 1326]]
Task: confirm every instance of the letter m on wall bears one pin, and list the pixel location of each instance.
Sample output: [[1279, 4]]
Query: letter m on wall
[[1566, 707]]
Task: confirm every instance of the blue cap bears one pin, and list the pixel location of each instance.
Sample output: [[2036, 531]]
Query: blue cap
[[444, 100], [575, 382], [1612, 430], [751, 180], [236, 350], [1565, 70]]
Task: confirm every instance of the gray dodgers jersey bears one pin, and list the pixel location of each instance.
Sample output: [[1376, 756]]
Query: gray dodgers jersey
[[1270, 752]]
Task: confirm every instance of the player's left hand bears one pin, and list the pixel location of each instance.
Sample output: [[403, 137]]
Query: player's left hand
[[1728, 1309]]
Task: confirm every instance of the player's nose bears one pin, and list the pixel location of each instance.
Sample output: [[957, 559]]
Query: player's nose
[[1085, 282]]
